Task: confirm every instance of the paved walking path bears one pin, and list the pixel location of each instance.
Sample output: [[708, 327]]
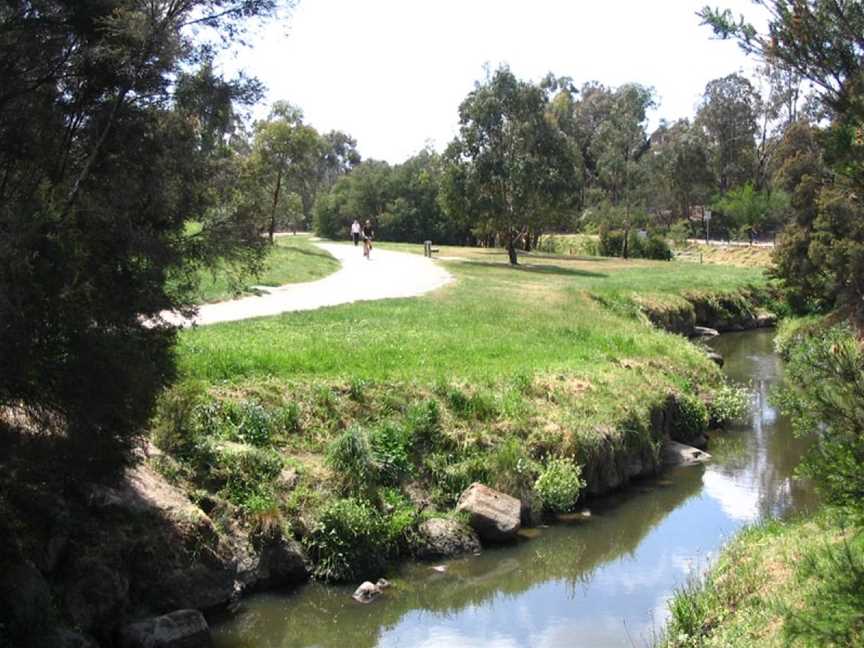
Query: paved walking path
[[387, 275]]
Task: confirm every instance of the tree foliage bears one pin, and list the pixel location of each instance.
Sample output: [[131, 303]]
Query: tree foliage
[[510, 170], [112, 127], [823, 42]]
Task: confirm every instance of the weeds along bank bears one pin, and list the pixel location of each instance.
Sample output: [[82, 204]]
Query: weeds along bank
[[347, 427], [319, 443]]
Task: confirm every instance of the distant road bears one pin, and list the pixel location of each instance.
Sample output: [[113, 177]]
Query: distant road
[[387, 275]]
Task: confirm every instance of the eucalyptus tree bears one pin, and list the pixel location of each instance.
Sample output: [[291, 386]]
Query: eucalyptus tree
[[728, 117], [285, 153], [108, 142], [510, 170]]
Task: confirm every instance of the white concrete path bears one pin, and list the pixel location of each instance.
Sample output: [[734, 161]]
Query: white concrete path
[[386, 275]]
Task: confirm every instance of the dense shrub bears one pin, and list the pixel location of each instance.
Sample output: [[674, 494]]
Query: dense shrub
[[391, 447], [689, 418], [352, 459], [728, 403], [511, 467], [559, 484], [249, 477], [350, 540], [823, 392]]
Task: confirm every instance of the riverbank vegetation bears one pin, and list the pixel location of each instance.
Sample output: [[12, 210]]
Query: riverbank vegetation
[[801, 583], [539, 382]]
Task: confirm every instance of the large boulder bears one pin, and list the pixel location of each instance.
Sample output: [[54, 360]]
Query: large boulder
[[95, 594], [443, 538], [495, 516], [680, 454], [180, 629]]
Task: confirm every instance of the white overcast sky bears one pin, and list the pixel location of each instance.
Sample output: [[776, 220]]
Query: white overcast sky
[[393, 72]]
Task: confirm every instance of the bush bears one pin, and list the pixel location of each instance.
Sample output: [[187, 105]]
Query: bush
[[391, 446], [249, 477], [655, 247], [729, 403], [423, 421], [823, 393], [611, 242], [350, 540], [689, 420], [559, 484], [511, 468], [351, 457]]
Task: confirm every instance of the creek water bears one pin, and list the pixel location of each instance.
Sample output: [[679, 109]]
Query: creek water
[[590, 580]]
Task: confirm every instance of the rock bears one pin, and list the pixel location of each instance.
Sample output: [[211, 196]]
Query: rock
[[493, 515], [716, 358], [704, 332], [70, 639], [285, 563], [366, 593], [205, 588], [180, 629], [531, 512], [443, 538], [53, 551], [24, 595], [766, 320], [679, 454], [95, 595]]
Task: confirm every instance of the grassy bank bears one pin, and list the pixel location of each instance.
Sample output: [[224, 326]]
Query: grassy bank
[[294, 259], [798, 583], [346, 426]]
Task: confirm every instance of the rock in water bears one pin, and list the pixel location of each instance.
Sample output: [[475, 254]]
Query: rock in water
[[494, 516], [367, 592], [704, 332], [180, 629], [716, 358], [443, 538], [679, 454]]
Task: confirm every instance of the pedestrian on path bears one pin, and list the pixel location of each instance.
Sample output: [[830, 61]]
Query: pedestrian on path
[[355, 231], [368, 235]]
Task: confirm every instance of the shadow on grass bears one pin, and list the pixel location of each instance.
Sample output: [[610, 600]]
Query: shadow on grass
[[540, 269], [309, 252]]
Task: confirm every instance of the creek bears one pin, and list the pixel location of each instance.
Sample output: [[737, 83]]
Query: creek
[[590, 580]]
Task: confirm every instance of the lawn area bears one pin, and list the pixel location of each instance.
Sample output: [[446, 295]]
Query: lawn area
[[494, 321], [493, 378], [294, 259]]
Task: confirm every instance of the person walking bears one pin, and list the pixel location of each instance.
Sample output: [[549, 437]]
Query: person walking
[[355, 231], [368, 235]]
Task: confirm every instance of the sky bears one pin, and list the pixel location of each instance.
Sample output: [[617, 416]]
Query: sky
[[392, 73]]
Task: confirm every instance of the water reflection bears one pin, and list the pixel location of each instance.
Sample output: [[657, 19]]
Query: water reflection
[[598, 581]]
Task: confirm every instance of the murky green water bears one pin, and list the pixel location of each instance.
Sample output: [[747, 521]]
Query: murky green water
[[592, 581]]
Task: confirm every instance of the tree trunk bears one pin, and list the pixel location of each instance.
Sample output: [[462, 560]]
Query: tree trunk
[[275, 205], [511, 251]]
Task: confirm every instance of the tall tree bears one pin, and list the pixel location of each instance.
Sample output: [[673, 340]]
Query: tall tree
[[510, 170], [823, 41], [102, 167], [728, 115], [286, 152]]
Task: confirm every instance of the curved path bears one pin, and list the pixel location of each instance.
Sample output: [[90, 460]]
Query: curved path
[[387, 275]]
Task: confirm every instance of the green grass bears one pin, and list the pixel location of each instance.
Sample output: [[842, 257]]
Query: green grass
[[487, 379], [798, 583], [294, 259], [495, 321]]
